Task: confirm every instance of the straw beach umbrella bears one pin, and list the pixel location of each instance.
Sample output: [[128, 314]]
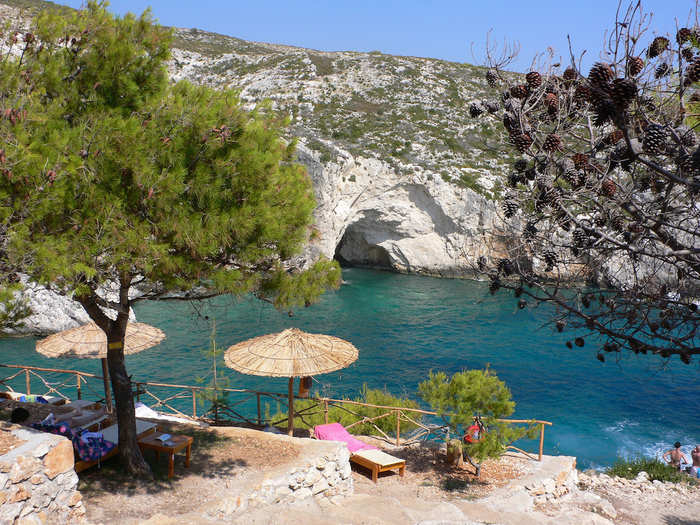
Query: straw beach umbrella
[[291, 353], [90, 341]]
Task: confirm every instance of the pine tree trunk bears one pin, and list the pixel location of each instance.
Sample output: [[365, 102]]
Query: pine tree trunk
[[131, 456]]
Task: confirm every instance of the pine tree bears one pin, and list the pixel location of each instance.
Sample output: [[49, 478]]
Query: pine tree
[[110, 177], [469, 394], [614, 200]]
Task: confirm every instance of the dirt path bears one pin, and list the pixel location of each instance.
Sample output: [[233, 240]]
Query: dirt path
[[220, 457]]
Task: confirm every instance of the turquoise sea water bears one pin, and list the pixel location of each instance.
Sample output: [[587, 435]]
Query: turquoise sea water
[[405, 326]]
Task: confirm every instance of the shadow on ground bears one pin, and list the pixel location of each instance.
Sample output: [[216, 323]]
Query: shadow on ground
[[672, 520], [214, 455]]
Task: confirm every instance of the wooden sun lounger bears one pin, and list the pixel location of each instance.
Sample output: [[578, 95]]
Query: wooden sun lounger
[[51, 400], [378, 461], [111, 433]]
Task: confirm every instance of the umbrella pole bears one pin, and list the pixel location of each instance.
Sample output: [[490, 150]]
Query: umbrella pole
[[290, 420], [108, 391]]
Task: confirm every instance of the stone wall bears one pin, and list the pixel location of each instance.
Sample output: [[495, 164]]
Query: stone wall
[[322, 470], [37, 480]]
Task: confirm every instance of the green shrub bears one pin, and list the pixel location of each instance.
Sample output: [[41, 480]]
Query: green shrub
[[347, 413], [460, 397], [629, 468]]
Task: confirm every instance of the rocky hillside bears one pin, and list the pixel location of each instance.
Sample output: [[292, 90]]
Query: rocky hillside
[[404, 179], [408, 112]]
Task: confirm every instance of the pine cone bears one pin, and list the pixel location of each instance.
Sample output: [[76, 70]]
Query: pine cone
[[686, 136], [522, 142], [550, 259], [635, 65], [695, 159], [570, 75], [600, 75], [613, 137], [655, 139], [685, 164], [554, 85], [658, 46], [475, 109], [519, 91], [552, 143], [510, 207], [600, 220], [491, 106], [583, 93], [511, 123], [505, 266], [647, 103], [531, 174], [624, 90], [520, 165], [658, 185], [617, 223], [693, 71], [580, 238], [662, 70], [551, 101], [529, 231], [514, 179], [635, 227], [580, 160], [683, 35], [533, 79], [603, 111], [608, 188], [491, 78], [574, 178], [687, 54]]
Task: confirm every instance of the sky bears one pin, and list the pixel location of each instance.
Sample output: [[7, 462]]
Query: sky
[[449, 29]]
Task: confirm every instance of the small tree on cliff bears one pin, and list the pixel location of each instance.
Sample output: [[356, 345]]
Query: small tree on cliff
[[606, 190], [469, 394], [112, 178]]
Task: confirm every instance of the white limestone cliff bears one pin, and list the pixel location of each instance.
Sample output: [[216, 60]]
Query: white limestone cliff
[[368, 215]]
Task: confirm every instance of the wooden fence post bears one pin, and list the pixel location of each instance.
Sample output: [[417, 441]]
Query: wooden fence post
[[325, 411], [398, 426], [541, 439], [194, 403], [257, 395], [27, 380], [78, 386]]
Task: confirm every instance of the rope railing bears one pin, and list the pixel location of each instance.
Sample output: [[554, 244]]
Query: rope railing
[[164, 402]]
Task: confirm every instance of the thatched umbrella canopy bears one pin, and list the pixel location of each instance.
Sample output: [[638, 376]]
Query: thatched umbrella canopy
[[291, 353], [90, 341]]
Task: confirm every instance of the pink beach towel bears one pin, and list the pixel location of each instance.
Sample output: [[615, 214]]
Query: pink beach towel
[[337, 432]]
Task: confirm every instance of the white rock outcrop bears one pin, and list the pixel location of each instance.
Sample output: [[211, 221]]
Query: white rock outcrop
[[368, 215], [53, 312]]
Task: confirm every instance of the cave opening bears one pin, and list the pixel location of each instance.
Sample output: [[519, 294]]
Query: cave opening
[[354, 250]]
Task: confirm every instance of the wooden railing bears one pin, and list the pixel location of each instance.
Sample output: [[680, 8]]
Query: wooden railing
[[163, 397], [80, 380]]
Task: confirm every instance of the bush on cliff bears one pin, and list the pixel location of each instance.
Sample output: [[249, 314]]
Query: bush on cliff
[[657, 470], [471, 393]]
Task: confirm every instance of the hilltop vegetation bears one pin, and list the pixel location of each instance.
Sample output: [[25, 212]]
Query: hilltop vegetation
[[407, 111]]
